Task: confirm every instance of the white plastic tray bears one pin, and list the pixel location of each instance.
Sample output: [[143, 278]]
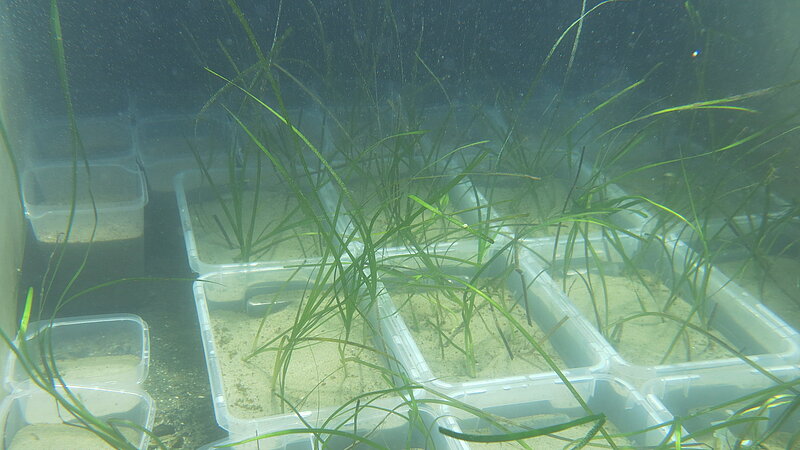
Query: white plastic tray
[[387, 428], [165, 145], [104, 138], [220, 292], [710, 398], [746, 323], [119, 194], [185, 183], [110, 350], [35, 416], [548, 401], [574, 340]]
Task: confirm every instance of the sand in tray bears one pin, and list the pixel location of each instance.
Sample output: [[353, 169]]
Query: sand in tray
[[380, 205], [437, 325], [644, 340], [298, 241], [530, 206], [316, 376]]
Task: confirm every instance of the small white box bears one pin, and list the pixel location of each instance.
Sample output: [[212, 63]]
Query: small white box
[[103, 350], [116, 193], [34, 419]]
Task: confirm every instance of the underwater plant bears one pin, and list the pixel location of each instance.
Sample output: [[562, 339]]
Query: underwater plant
[[36, 356], [252, 213], [415, 183]]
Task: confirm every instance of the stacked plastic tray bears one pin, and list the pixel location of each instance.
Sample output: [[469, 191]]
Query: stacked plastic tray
[[758, 350], [102, 360]]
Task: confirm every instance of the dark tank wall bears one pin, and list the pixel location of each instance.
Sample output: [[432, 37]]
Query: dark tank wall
[[12, 241], [116, 48]]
